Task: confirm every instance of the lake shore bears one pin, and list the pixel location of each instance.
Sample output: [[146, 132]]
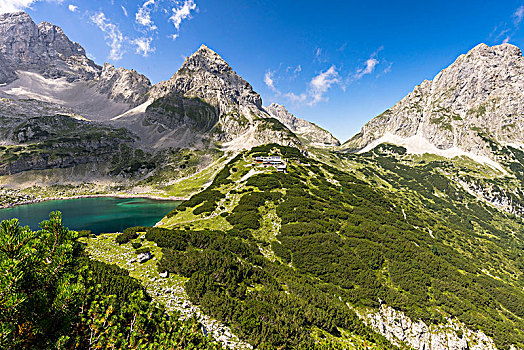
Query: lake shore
[[118, 195]]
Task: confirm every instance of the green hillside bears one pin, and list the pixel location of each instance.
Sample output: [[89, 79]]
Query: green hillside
[[284, 258], [53, 296]]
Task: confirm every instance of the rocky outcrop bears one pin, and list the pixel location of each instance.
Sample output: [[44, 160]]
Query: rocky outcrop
[[174, 111], [238, 118], [123, 85], [44, 49], [400, 329], [476, 99], [206, 75], [311, 132]]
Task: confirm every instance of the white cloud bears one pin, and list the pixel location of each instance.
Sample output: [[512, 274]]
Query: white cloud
[[269, 80], [113, 35], [505, 29], [388, 68], [502, 33], [293, 71], [316, 88], [318, 55], [369, 68], [296, 98], [124, 10], [72, 8], [321, 83], [181, 13], [518, 15], [143, 46], [7, 6], [14, 5], [143, 16]]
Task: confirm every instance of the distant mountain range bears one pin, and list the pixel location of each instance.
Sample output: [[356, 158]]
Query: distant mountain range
[[408, 235], [42, 63]]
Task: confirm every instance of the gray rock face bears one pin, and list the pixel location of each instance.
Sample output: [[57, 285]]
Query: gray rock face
[[46, 50], [6, 74], [478, 97], [309, 131], [123, 85], [399, 329], [206, 75], [238, 116], [43, 48]]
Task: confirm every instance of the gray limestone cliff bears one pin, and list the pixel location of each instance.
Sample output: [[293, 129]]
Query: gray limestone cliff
[[123, 85], [228, 102], [401, 330], [311, 132], [46, 50], [476, 99]]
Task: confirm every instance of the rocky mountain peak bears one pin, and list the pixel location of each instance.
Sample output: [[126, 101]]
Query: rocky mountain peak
[[496, 50], [474, 101], [44, 49], [123, 85], [206, 75], [56, 41], [208, 60], [309, 132], [19, 17]]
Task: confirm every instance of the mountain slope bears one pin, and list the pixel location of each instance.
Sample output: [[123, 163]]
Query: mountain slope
[[474, 101], [309, 132], [234, 113], [159, 135], [406, 237]]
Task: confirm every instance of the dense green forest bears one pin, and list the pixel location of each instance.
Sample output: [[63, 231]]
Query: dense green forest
[[52, 296], [427, 248], [284, 259]]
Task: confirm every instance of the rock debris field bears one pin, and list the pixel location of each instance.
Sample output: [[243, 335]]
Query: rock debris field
[[168, 291]]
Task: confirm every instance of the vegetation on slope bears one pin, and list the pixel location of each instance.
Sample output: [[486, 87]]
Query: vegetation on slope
[[407, 236], [53, 296]]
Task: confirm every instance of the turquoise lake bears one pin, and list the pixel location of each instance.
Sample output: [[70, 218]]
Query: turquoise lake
[[98, 214]]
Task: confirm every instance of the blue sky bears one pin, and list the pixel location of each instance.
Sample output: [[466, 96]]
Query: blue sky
[[337, 64]]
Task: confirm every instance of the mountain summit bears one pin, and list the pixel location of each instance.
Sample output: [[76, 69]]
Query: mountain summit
[[43, 48], [474, 101], [309, 132], [205, 74]]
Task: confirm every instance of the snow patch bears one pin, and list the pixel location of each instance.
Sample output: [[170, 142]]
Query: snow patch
[[137, 110], [420, 145]]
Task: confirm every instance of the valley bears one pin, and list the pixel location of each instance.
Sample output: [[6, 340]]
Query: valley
[[271, 233]]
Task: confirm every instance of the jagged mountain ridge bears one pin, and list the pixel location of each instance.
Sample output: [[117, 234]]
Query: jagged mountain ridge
[[477, 99], [43, 48], [310, 132], [205, 105], [40, 62]]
